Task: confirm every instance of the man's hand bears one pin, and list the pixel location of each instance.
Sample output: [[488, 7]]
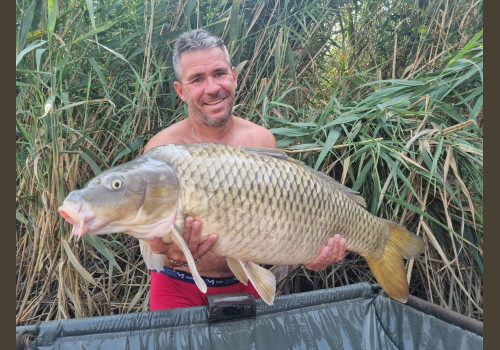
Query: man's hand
[[191, 235], [332, 252]]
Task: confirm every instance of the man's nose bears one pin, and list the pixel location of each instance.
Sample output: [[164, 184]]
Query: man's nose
[[212, 86]]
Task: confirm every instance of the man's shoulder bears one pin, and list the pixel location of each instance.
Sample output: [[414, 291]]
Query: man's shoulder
[[172, 134], [252, 127], [259, 135]]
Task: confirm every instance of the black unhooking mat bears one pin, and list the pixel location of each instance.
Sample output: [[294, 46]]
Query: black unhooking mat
[[351, 317]]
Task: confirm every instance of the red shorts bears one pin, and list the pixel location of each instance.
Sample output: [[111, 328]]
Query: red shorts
[[172, 288]]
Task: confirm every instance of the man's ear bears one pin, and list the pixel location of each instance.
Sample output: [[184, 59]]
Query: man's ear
[[235, 77], [178, 88]]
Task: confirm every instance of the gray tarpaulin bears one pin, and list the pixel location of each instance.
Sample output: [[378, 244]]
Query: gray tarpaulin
[[351, 317]]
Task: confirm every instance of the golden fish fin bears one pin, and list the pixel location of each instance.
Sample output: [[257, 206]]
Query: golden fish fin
[[262, 279], [349, 192], [179, 241], [389, 269], [153, 261], [237, 270]]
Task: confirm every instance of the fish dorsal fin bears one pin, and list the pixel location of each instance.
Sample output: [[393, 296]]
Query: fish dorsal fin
[[270, 152], [279, 154], [262, 279], [179, 241], [349, 192]]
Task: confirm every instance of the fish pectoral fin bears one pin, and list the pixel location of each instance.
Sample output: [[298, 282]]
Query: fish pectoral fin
[[262, 279], [153, 261], [237, 270], [179, 242]]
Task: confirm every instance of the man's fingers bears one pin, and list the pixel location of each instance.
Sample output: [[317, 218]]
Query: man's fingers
[[338, 249], [341, 253], [317, 263], [157, 245], [194, 235], [191, 235], [331, 253], [188, 225], [206, 245], [323, 260], [335, 246]]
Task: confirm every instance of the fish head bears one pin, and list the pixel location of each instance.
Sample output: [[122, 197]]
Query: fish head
[[133, 198]]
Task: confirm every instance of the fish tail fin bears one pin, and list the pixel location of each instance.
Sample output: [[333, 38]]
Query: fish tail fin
[[389, 269]]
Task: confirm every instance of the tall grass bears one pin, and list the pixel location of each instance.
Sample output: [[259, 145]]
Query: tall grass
[[417, 161], [396, 118]]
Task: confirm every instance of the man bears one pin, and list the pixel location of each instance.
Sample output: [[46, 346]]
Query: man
[[206, 81]]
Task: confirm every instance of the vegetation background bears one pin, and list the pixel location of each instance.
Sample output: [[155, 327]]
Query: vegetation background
[[386, 96]]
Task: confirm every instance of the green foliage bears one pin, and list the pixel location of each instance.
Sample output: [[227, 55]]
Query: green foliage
[[385, 96]]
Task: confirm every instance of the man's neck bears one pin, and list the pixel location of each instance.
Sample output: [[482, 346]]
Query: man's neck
[[222, 134]]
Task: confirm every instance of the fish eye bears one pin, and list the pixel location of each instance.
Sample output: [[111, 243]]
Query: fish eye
[[116, 184]]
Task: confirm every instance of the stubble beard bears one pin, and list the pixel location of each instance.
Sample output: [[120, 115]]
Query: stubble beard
[[211, 122], [215, 122]]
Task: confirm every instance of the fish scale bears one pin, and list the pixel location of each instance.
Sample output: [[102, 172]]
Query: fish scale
[[300, 203], [265, 207]]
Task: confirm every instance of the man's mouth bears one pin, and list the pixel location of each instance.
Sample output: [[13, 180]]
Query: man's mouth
[[214, 102]]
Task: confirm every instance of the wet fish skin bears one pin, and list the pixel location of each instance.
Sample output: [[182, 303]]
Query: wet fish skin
[[246, 197], [132, 198], [266, 208]]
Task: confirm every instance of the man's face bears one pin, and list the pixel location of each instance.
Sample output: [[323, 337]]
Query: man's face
[[207, 85]]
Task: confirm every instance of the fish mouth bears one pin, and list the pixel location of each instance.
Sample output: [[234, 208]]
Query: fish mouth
[[75, 216]]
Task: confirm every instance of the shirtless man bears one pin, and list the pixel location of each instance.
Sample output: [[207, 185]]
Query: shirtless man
[[206, 82]]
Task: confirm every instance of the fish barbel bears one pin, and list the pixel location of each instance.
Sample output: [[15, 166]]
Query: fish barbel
[[266, 208]]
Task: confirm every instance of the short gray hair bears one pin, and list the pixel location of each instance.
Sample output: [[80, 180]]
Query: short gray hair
[[197, 39]]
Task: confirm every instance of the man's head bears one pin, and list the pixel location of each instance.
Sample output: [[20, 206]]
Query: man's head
[[197, 39], [206, 80]]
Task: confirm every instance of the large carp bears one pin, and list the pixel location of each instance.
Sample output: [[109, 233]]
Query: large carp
[[266, 208]]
